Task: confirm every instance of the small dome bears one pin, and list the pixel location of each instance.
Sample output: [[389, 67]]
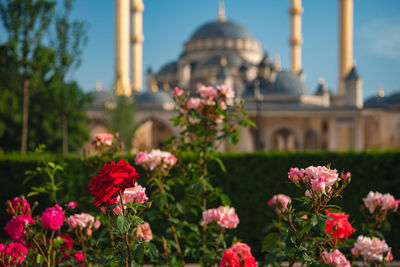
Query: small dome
[[169, 67], [375, 102], [232, 60], [227, 29], [159, 98], [286, 83]]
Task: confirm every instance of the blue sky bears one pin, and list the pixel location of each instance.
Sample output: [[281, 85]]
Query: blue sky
[[168, 24]]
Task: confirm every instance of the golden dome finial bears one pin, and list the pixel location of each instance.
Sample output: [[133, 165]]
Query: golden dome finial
[[278, 65], [223, 61], [381, 93], [221, 11]]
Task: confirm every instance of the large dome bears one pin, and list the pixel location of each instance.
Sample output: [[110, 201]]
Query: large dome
[[286, 83], [221, 29]]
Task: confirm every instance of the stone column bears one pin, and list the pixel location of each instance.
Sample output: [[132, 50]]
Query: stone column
[[137, 44], [296, 39], [122, 84], [332, 141], [359, 133], [346, 60]]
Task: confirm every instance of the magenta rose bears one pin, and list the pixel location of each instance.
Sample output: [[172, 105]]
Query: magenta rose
[[53, 218], [18, 206], [16, 226]]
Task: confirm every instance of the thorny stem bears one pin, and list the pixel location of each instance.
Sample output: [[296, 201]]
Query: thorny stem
[[50, 248], [128, 260], [219, 239], [178, 247]]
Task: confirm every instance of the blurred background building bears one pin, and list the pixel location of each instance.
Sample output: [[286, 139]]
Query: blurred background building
[[289, 115]]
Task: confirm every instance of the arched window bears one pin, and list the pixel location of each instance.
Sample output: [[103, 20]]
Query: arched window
[[284, 139]]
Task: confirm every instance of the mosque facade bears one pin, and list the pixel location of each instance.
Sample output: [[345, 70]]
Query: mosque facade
[[289, 116]]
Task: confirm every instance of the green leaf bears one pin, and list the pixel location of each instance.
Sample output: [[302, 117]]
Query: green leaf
[[153, 250], [269, 241], [225, 200], [220, 163], [160, 200], [39, 259], [314, 220], [123, 224]]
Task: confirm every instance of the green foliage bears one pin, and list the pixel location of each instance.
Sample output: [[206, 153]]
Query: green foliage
[[34, 62], [250, 181], [120, 119]]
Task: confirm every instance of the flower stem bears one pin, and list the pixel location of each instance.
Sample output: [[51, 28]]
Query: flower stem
[[128, 259]]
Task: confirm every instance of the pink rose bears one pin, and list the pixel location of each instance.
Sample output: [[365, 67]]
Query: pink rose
[[225, 216], [226, 91], [97, 224], [336, 258], [228, 217], [219, 119], [295, 174], [72, 204], [329, 176], [103, 139], [207, 92], [280, 202], [371, 249], [193, 103], [346, 175], [16, 226], [53, 218], [81, 220], [222, 104], [134, 194], [177, 92], [143, 231], [210, 216], [141, 158], [318, 185], [18, 206], [242, 249]]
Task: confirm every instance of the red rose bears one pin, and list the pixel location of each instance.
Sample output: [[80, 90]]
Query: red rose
[[339, 225], [229, 259], [110, 179]]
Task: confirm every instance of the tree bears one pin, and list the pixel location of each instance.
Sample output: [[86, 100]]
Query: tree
[[121, 119], [70, 39], [25, 22]]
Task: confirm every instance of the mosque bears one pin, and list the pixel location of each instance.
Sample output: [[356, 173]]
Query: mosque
[[290, 116]]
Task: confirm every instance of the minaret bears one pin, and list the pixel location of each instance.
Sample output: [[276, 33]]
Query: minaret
[[221, 11], [137, 47], [122, 84], [345, 42], [296, 40]]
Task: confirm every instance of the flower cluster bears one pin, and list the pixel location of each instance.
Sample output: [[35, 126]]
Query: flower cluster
[[338, 226], [136, 194], [53, 218], [280, 203], [150, 161], [208, 103], [18, 206], [238, 256], [83, 221], [380, 202], [225, 216], [336, 258], [316, 180], [372, 249], [110, 180], [16, 226], [12, 254], [143, 231], [102, 140]]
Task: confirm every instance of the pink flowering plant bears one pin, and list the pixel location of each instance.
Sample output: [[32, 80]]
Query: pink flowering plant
[[40, 239], [316, 234]]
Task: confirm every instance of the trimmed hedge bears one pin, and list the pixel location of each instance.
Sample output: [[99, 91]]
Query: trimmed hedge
[[250, 181]]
